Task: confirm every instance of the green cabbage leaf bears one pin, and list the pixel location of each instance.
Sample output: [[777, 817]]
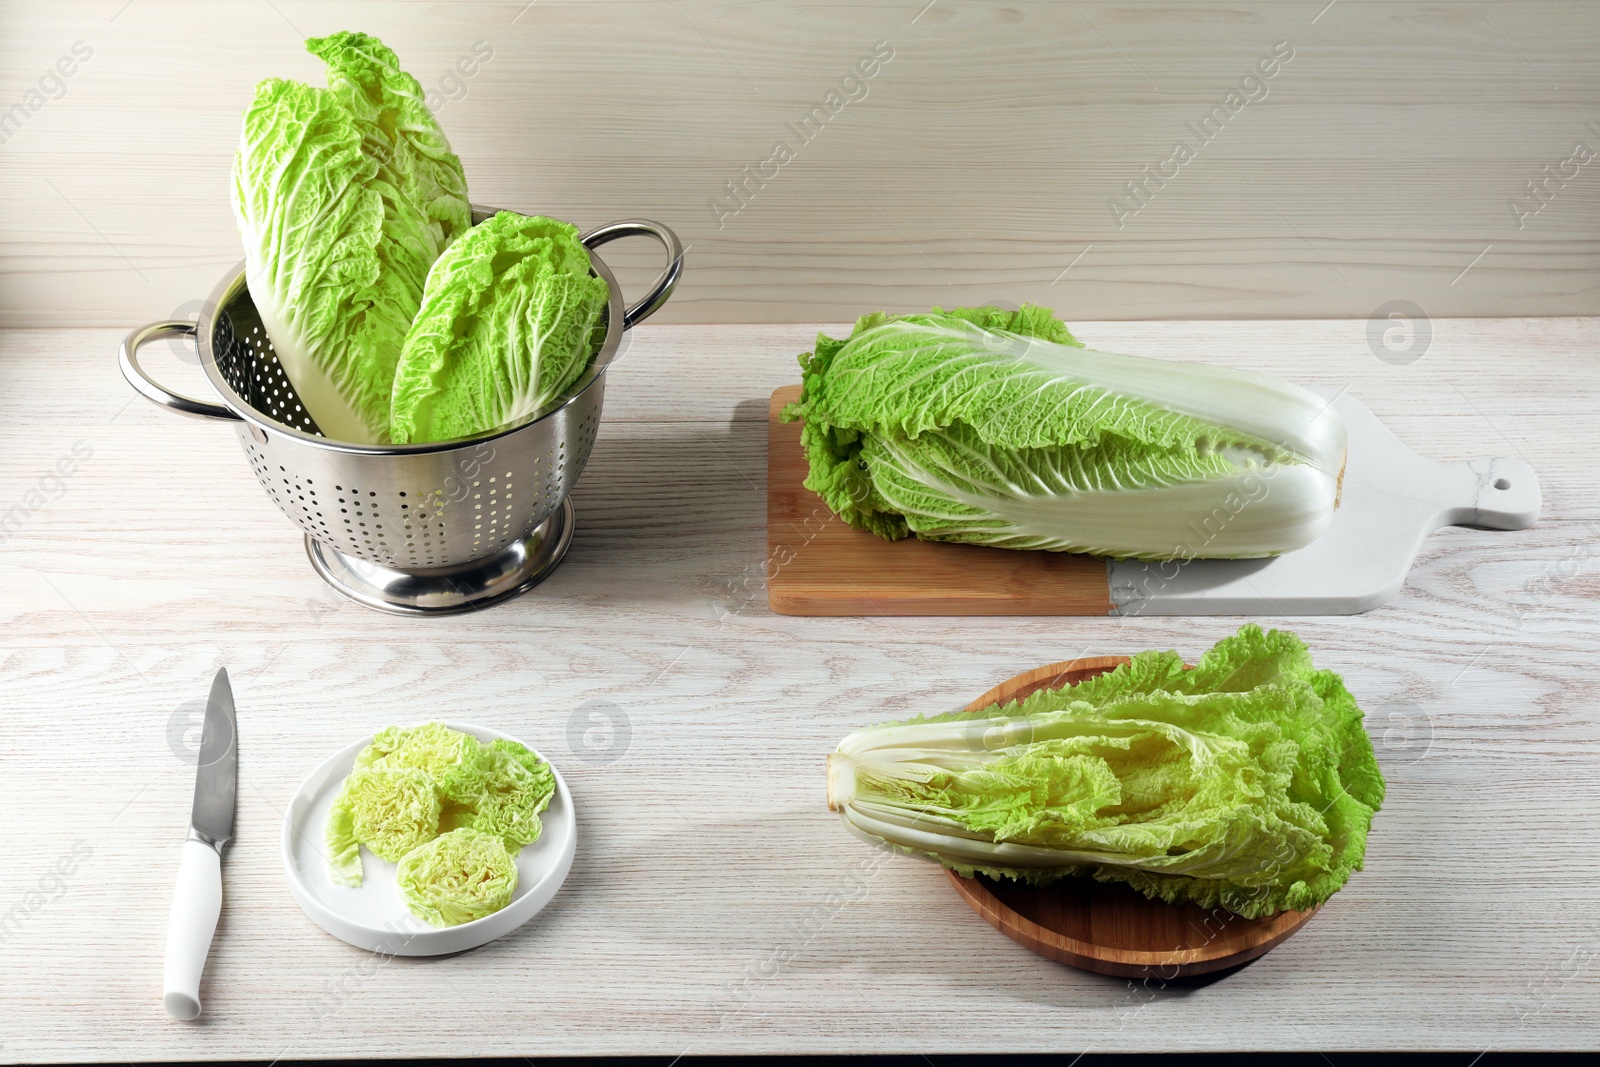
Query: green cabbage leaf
[[444, 754], [505, 793], [509, 320], [1247, 783], [344, 851], [402, 136], [391, 812], [457, 877], [995, 427]]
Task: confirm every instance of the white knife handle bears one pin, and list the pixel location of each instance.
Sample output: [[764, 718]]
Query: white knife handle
[[196, 903]]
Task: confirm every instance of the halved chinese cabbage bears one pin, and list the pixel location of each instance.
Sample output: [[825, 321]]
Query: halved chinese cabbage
[[344, 198], [1247, 783], [509, 319]]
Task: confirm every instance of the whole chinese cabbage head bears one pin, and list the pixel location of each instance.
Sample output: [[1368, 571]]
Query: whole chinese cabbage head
[[996, 427]]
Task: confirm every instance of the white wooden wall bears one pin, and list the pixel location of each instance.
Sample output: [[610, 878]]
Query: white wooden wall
[[978, 163]]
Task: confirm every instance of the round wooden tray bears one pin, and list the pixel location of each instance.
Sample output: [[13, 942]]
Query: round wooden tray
[[1105, 927]]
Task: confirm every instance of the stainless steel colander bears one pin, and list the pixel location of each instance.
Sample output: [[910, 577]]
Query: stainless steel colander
[[431, 528]]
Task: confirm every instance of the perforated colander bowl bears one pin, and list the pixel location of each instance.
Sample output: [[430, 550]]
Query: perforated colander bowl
[[430, 528]]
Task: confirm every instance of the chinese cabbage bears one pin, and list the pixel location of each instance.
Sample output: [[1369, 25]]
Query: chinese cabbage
[[1247, 783], [410, 784], [999, 428], [344, 198], [509, 319], [504, 793]]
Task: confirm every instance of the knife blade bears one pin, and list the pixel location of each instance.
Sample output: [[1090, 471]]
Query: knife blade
[[217, 775], [197, 899]]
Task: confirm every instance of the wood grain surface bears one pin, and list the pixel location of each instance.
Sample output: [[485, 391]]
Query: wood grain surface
[[1109, 928], [818, 565], [715, 905], [981, 161]]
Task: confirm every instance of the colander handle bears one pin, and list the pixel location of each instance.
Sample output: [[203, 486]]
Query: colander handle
[[128, 359], [664, 283]]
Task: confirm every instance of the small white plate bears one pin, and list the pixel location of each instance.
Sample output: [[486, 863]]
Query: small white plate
[[373, 916]]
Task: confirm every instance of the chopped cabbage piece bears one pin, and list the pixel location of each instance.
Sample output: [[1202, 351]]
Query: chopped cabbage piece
[[411, 784], [509, 787], [392, 812], [344, 851], [447, 756], [457, 877]]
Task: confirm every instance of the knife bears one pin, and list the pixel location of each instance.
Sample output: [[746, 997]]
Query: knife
[[197, 901]]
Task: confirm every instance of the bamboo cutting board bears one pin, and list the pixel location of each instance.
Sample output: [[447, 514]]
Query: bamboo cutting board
[[1392, 499]]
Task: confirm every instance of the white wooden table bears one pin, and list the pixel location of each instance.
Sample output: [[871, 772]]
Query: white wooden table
[[716, 906]]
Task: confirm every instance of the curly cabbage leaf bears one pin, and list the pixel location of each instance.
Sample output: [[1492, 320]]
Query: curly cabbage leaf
[[401, 134], [344, 198], [1247, 783], [448, 756], [509, 320], [509, 788], [993, 427], [457, 877], [390, 812], [344, 851]]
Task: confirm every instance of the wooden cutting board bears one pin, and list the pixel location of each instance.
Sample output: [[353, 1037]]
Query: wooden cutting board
[[1392, 499], [818, 565]]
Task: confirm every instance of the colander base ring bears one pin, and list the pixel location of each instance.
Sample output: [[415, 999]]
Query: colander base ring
[[494, 579]]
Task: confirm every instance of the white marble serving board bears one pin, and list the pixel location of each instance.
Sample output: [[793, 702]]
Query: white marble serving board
[[1392, 499]]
